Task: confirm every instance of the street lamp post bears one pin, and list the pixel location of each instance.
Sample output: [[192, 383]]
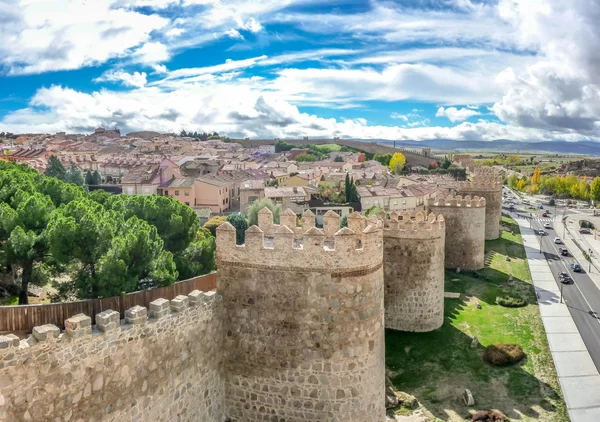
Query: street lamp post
[[590, 261], [561, 289]]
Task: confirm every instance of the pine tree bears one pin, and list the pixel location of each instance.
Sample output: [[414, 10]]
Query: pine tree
[[97, 178], [89, 179]]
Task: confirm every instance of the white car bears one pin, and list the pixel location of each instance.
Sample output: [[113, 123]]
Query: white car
[[547, 226], [541, 232], [557, 240]]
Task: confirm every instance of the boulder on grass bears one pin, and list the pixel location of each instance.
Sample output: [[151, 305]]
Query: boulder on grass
[[503, 354], [489, 416]]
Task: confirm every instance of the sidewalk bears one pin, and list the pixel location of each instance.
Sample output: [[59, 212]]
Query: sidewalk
[[578, 377]]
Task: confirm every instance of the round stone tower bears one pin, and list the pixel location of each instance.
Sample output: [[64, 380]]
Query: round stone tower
[[465, 230], [488, 186], [304, 322], [413, 265]]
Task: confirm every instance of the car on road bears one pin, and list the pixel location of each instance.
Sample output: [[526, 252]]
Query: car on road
[[541, 207], [564, 278], [576, 267], [563, 251], [545, 214], [541, 232], [547, 226], [511, 207], [557, 240]]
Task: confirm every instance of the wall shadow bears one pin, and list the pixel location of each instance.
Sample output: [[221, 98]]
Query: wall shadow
[[436, 367]]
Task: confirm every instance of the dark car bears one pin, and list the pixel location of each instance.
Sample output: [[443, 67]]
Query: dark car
[[545, 214], [564, 278], [563, 251], [576, 267]]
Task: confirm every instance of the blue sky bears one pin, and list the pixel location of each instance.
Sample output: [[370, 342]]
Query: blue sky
[[411, 69]]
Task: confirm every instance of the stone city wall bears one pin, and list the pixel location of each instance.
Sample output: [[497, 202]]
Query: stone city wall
[[304, 321], [413, 258], [465, 230], [168, 367], [489, 187]]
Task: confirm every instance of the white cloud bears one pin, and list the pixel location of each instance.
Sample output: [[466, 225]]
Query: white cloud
[[135, 79], [235, 34], [175, 32], [151, 52], [47, 35], [399, 116], [159, 69], [456, 114], [251, 25]]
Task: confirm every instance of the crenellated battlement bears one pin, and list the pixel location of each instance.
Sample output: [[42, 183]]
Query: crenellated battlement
[[484, 184], [414, 225], [310, 248], [457, 201], [155, 365], [108, 323]]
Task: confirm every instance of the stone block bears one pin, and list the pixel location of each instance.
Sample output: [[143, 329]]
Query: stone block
[[78, 325], [45, 332], [179, 303], [210, 296], [108, 320], [8, 341], [136, 315], [195, 297], [159, 308]]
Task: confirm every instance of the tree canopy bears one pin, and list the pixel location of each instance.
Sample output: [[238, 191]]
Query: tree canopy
[[397, 163], [258, 205], [105, 244]]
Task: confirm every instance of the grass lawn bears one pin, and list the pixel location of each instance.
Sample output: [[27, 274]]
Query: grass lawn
[[327, 148], [436, 367]]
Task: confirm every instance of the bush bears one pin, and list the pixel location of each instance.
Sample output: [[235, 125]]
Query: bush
[[503, 354], [489, 416], [511, 301], [255, 208], [239, 222], [213, 223], [344, 221]]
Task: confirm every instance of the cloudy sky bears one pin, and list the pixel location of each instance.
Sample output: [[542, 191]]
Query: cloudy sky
[[404, 69]]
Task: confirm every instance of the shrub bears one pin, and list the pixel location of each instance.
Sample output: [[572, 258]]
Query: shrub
[[511, 301], [503, 354], [344, 221], [258, 205], [489, 416], [215, 222], [241, 224]]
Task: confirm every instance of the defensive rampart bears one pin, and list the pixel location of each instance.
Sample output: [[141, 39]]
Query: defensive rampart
[[488, 186], [304, 321], [165, 365], [465, 230], [413, 257]]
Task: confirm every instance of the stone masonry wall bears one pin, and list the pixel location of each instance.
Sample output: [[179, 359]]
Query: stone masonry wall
[[304, 321], [490, 188], [465, 230], [166, 368], [413, 259]]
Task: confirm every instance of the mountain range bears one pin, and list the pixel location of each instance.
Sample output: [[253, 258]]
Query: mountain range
[[501, 145]]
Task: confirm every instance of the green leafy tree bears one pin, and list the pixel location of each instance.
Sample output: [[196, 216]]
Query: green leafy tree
[[177, 224], [258, 205], [70, 233], [27, 243], [374, 210], [344, 221], [595, 189], [384, 159], [96, 178], [446, 163], [89, 179], [306, 157], [55, 168], [197, 259], [397, 163], [338, 159], [241, 224], [74, 175], [136, 255], [213, 223]]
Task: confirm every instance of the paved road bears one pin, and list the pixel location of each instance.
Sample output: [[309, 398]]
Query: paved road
[[582, 295]]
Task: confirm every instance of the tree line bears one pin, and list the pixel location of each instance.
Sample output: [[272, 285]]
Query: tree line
[[569, 186], [96, 244]]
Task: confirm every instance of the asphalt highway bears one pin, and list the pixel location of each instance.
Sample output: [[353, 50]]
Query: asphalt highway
[[582, 296]]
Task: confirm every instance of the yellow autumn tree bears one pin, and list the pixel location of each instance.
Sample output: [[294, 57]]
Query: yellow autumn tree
[[521, 184], [535, 179], [397, 163]]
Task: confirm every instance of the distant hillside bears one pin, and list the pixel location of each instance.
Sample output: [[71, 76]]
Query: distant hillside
[[502, 145], [144, 134]]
